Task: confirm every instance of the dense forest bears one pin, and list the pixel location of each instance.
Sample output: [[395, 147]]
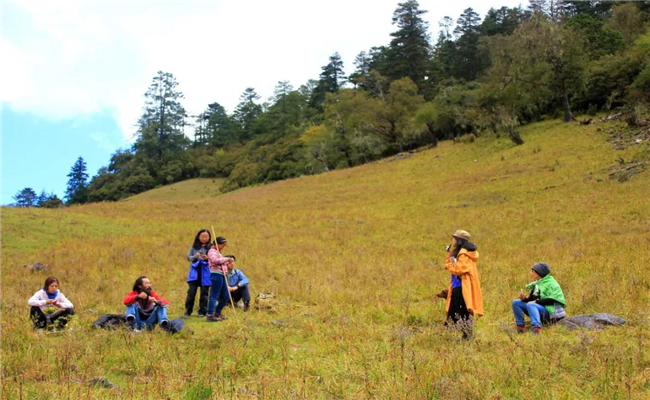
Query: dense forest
[[478, 77]]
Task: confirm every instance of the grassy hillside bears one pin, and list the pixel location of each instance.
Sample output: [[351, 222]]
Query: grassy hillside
[[354, 258], [184, 190]]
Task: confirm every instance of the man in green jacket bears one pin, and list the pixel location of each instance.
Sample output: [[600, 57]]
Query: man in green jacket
[[545, 302]]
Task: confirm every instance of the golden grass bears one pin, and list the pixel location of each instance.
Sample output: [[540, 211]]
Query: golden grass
[[354, 257], [184, 190]]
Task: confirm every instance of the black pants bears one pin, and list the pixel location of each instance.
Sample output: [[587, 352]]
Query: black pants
[[191, 295], [458, 315], [241, 294], [41, 321]]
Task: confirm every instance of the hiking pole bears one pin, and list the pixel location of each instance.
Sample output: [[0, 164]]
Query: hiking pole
[[225, 278]]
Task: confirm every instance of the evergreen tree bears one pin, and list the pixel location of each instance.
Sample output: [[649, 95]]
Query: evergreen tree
[[26, 198], [503, 21], [215, 127], [360, 75], [469, 61], [52, 201], [331, 79], [408, 52], [247, 112], [42, 198], [77, 190], [161, 126], [280, 94]]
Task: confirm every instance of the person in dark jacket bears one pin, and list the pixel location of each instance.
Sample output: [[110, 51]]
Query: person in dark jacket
[[238, 283], [199, 273], [144, 307]]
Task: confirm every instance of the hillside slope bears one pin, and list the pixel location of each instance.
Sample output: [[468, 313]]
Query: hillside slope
[[179, 191], [354, 258]]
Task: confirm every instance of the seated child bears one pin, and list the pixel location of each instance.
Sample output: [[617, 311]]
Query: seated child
[[545, 302], [238, 284]]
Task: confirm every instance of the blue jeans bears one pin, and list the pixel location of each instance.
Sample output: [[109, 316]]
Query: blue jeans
[[158, 315], [218, 290], [536, 313]]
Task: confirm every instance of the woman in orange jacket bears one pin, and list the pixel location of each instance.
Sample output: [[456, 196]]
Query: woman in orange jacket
[[464, 298]]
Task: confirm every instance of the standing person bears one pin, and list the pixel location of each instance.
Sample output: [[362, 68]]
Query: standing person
[[238, 284], [219, 290], [464, 297], [144, 307], [49, 305], [199, 273], [545, 302]]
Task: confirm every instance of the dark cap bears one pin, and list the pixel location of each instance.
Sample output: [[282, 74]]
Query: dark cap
[[221, 240], [542, 269]]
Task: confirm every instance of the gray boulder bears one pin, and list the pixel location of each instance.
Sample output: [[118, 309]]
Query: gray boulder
[[102, 383], [36, 267], [591, 321]]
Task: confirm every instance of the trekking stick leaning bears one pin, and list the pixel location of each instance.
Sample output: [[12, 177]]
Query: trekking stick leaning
[[225, 278]]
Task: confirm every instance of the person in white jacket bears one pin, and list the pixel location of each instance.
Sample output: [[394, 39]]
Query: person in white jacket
[[50, 306]]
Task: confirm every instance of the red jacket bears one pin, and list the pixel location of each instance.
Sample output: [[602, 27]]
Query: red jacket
[[132, 297]]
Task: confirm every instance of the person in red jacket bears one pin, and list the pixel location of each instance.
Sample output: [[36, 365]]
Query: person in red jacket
[[144, 307]]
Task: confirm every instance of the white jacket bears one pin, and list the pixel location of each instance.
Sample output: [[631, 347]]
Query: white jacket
[[40, 298]]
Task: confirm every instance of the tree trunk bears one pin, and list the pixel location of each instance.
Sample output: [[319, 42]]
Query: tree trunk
[[567, 108]]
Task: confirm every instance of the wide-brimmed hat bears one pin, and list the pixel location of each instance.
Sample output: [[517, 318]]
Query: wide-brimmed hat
[[461, 234]]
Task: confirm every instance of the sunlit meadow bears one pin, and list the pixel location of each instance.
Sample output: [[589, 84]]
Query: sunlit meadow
[[354, 259]]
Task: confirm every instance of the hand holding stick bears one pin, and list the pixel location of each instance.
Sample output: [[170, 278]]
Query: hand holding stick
[[225, 277]]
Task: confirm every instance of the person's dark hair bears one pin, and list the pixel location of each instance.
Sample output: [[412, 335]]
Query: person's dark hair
[[462, 244], [197, 243], [50, 281], [137, 284], [231, 256]]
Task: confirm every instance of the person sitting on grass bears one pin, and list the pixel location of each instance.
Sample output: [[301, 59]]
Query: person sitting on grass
[[238, 283], [144, 307], [50, 309], [545, 303]]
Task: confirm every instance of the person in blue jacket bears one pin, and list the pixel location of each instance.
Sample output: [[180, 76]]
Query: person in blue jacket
[[238, 283], [199, 273]]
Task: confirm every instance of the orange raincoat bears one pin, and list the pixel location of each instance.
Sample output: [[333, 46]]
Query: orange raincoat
[[465, 268]]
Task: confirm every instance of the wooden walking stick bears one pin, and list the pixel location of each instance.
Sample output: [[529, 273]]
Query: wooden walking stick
[[225, 277]]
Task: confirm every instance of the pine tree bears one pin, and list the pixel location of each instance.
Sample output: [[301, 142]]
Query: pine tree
[[26, 198], [331, 79], [161, 126], [247, 112], [408, 52], [469, 62], [77, 190]]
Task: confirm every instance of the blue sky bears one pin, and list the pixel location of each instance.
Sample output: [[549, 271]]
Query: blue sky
[[73, 73]]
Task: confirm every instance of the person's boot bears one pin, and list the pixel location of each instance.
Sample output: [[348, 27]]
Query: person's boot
[[247, 305], [521, 328], [536, 330]]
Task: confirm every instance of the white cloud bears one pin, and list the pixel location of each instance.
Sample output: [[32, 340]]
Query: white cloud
[[65, 58]]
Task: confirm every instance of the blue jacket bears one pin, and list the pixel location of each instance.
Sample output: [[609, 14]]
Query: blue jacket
[[199, 265], [236, 277]]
